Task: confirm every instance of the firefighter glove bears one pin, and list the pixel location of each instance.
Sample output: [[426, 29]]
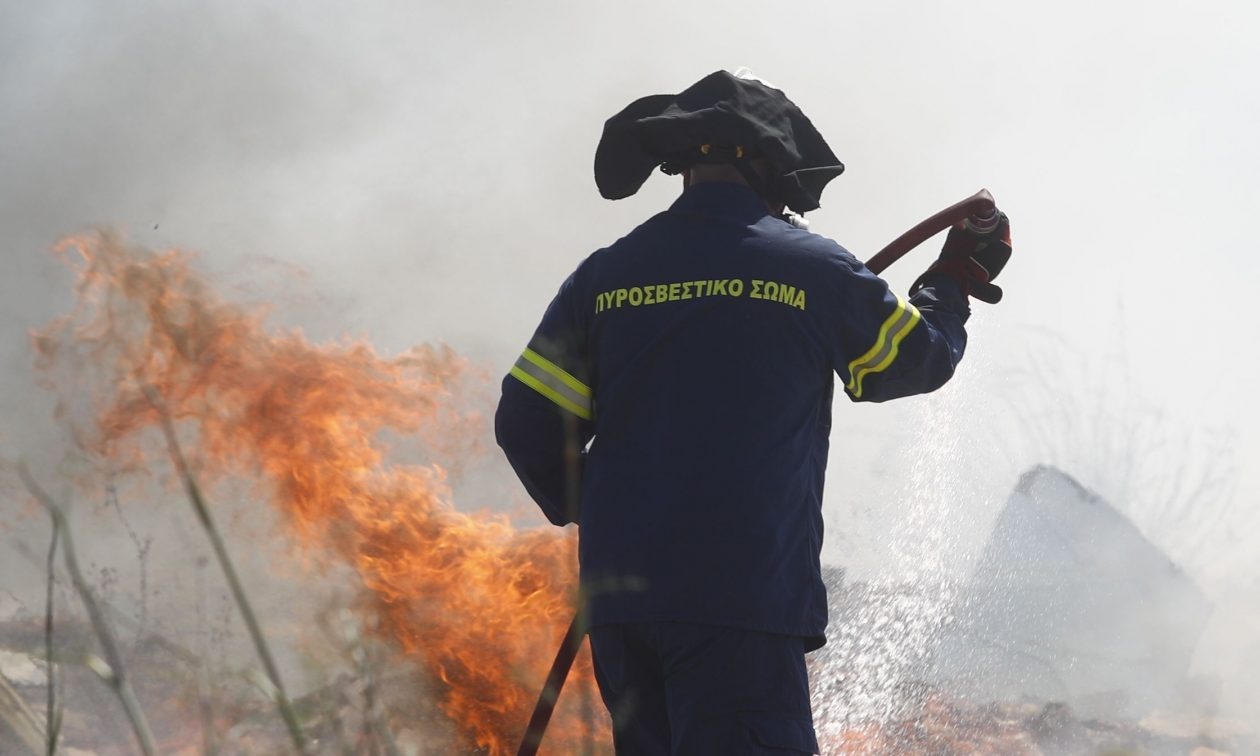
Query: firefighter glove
[[973, 259]]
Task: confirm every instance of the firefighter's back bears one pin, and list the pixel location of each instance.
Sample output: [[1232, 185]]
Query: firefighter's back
[[713, 376]]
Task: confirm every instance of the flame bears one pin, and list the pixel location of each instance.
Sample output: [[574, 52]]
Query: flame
[[478, 603]]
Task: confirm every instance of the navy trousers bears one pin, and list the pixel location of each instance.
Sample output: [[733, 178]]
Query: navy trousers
[[678, 689]]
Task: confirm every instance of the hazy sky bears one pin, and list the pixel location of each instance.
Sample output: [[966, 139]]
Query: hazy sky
[[412, 172]]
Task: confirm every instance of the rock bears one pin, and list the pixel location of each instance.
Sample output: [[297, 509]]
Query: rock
[[1070, 602]]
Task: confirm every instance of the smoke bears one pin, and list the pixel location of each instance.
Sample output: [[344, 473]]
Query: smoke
[[169, 122], [418, 174], [286, 158]]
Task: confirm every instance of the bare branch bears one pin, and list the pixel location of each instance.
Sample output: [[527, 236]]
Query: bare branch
[[117, 679], [274, 685], [52, 719]]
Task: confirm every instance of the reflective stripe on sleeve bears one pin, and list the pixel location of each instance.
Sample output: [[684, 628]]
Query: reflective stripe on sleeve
[[879, 357], [553, 382]]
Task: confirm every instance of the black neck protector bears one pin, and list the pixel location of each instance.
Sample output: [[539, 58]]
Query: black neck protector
[[738, 157]]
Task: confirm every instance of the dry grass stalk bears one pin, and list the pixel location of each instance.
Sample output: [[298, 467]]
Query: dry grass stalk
[[119, 617], [275, 687], [205, 707], [112, 670], [20, 719], [53, 714], [376, 733]]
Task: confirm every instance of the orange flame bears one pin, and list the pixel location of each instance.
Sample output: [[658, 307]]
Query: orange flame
[[478, 603]]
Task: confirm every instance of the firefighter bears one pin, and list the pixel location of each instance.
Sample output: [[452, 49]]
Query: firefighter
[[675, 403]]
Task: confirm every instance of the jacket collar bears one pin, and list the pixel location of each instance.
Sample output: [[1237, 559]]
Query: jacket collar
[[722, 199]]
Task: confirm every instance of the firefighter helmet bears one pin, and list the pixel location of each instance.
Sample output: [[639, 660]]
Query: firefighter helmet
[[723, 118]]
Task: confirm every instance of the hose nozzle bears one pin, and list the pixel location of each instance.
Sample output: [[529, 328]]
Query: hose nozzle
[[983, 223]]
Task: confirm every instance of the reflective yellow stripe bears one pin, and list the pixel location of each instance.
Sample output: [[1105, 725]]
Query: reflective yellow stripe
[[557, 371], [902, 320], [548, 379]]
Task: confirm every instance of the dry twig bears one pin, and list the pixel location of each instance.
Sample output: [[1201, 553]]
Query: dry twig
[[53, 716], [118, 616], [19, 717], [275, 687], [112, 670]]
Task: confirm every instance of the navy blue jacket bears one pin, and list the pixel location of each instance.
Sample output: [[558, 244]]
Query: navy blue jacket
[[675, 402]]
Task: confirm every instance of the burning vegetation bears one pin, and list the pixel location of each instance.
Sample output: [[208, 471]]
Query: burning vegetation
[[474, 602]]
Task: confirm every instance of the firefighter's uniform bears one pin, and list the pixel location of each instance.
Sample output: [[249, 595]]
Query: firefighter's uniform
[[686, 375]]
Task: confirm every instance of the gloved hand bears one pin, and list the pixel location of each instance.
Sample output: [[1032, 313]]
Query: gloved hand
[[973, 259]]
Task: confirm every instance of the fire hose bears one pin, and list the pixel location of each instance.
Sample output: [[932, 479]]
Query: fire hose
[[978, 210], [980, 214]]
